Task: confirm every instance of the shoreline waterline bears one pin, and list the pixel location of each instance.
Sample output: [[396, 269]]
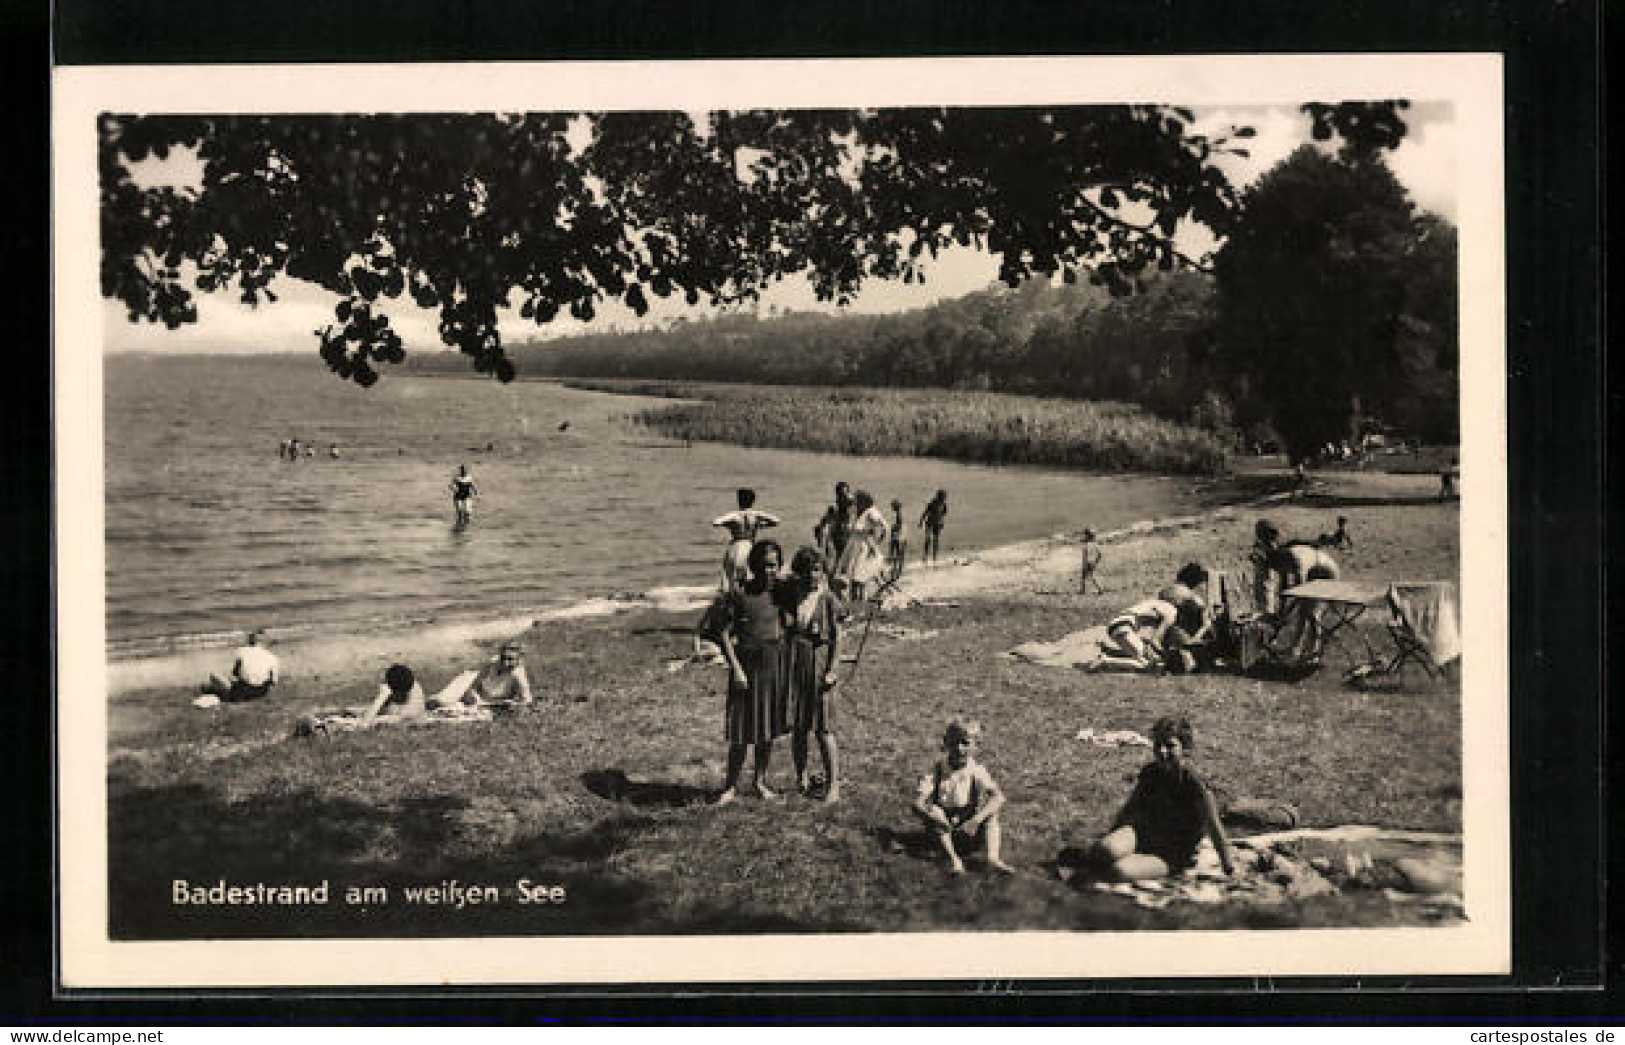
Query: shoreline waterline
[[315, 655]]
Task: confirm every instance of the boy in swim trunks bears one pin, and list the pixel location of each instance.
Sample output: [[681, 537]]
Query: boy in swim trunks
[[958, 800]]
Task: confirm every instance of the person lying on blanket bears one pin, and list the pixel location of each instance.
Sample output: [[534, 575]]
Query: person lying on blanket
[[501, 681], [1158, 829], [400, 697]]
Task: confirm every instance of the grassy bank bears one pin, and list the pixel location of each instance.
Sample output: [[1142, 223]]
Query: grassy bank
[[601, 789], [978, 427]]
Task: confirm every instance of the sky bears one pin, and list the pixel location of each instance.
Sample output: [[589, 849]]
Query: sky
[[1424, 163]]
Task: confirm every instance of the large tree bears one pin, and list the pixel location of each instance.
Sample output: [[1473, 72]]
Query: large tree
[[551, 213], [1330, 305]]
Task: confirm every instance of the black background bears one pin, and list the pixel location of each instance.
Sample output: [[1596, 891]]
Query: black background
[[1558, 423]]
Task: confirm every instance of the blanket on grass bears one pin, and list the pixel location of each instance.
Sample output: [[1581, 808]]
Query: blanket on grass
[[1409, 867], [1081, 650], [348, 719]]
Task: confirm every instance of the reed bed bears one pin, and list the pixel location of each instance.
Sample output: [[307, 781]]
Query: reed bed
[[977, 427]]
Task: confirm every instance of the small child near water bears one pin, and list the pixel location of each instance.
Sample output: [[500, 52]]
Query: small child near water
[[1158, 829], [1338, 538], [898, 552], [958, 800], [1091, 562]]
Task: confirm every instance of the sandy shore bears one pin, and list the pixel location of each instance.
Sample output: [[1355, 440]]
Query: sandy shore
[[1052, 563], [1047, 564]]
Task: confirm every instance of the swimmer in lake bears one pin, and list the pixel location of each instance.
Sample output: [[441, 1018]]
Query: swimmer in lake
[[463, 492]]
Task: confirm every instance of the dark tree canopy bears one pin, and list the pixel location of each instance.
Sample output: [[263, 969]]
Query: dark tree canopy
[[1336, 299], [556, 213]]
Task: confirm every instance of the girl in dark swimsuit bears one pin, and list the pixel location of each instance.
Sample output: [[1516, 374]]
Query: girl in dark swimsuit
[[1158, 829], [750, 635]]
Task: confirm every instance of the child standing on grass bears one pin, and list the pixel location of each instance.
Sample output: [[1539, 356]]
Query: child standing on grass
[[750, 636], [1091, 562], [1158, 829], [811, 652], [958, 800]]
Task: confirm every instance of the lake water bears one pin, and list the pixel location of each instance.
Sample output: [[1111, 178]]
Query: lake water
[[210, 532]]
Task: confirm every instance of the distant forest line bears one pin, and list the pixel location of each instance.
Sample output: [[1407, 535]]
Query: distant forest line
[[1055, 341], [1330, 311]]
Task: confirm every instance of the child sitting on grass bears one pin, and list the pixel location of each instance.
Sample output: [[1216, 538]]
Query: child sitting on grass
[[958, 799], [1158, 829]]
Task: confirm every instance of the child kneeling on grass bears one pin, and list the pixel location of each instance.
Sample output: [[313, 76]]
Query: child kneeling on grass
[[958, 799], [1158, 829]]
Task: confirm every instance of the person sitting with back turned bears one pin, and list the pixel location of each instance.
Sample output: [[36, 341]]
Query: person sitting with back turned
[[1298, 562], [253, 673]]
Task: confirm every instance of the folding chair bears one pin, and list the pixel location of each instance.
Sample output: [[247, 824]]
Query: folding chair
[[1410, 650], [1424, 628]]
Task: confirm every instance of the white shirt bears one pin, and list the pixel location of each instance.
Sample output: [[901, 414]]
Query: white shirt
[[256, 665]]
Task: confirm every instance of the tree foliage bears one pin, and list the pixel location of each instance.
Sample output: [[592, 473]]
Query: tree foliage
[[555, 213], [1335, 299]]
